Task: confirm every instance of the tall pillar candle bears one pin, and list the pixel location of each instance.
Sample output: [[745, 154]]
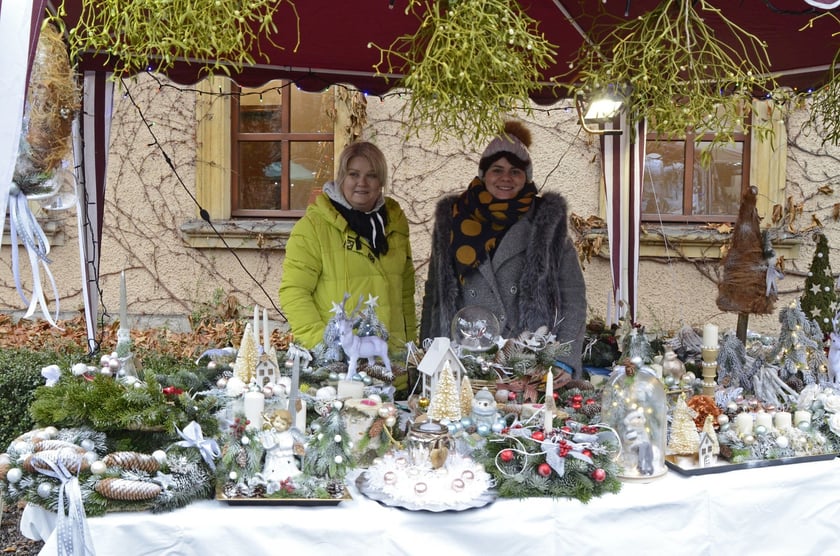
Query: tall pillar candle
[[266, 335], [253, 406], [256, 327], [123, 302], [549, 393], [710, 335]]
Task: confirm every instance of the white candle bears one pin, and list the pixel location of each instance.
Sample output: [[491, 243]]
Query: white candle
[[744, 423], [549, 393], [256, 327], [802, 416], [123, 303], [254, 404], [765, 420], [782, 420], [710, 335], [266, 335]]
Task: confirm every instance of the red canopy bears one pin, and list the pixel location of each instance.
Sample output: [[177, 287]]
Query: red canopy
[[334, 38]]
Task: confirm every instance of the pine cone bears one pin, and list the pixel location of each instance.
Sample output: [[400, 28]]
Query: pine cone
[[4, 468], [591, 410], [125, 489], [258, 491], [796, 383], [335, 488], [229, 490], [242, 457], [580, 384], [52, 444], [134, 461], [376, 428], [69, 458]]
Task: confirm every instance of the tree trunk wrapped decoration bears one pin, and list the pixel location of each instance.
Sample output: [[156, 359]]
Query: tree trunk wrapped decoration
[[749, 267]]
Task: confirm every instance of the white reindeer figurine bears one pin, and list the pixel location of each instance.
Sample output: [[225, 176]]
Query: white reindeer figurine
[[357, 347], [834, 352]]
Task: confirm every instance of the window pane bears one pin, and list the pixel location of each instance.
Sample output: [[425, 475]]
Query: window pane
[[664, 177], [311, 167], [717, 184], [259, 174], [260, 110], [311, 111]]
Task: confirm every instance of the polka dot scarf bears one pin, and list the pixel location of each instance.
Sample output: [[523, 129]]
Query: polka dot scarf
[[480, 221]]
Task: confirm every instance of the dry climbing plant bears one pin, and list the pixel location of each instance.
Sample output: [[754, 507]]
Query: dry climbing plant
[[134, 34], [470, 63], [677, 72]]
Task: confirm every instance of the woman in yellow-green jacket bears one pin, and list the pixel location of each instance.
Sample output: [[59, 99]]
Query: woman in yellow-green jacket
[[353, 240]]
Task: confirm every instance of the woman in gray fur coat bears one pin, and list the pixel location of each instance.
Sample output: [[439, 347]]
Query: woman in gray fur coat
[[500, 245]]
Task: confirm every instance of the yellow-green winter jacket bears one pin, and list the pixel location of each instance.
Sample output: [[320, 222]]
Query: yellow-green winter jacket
[[326, 259]]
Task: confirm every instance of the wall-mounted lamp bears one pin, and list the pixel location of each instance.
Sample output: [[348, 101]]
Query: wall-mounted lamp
[[601, 109]]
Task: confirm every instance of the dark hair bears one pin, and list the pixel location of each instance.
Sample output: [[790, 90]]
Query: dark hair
[[514, 160]]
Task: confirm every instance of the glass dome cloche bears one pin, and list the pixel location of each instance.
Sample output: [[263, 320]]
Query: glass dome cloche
[[475, 328], [635, 406]]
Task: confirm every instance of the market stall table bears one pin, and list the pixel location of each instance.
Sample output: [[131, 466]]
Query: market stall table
[[787, 509]]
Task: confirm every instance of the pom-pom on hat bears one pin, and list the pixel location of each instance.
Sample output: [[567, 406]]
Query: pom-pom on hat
[[515, 140]]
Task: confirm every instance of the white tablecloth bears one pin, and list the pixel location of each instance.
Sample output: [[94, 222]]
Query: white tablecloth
[[789, 509]]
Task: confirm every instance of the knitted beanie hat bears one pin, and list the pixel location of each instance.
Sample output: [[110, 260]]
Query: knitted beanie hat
[[515, 140]]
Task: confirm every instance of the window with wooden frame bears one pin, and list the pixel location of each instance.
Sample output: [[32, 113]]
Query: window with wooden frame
[[688, 181], [282, 149]]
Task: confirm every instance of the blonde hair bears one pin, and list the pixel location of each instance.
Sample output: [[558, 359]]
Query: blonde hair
[[368, 151]]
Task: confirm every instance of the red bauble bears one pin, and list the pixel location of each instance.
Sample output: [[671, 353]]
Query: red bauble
[[576, 406], [544, 469], [587, 453], [172, 391], [506, 455], [577, 398], [590, 401], [512, 396], [599, 475], [539, 436]]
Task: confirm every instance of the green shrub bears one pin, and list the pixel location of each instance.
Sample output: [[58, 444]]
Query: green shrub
[[20, 375]]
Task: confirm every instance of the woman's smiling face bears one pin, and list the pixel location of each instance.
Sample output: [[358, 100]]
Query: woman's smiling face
[[361, 186], [503, 180]]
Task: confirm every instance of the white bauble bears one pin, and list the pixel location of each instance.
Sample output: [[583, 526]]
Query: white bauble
[[339, 459], [103, 361], [337, 438], [326, 393], [782, 442], [375, 398], [90, 457], [50, 431], [338, 404], [235, 386], [87, 444], [106, 371], [44, 490], [245, 440], [222, 382], [390, 421], [14, 475], [233, 475], [98, 467], [160, 456]]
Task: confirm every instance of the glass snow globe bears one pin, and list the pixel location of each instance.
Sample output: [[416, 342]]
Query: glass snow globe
[[634, 405], [475, 328]]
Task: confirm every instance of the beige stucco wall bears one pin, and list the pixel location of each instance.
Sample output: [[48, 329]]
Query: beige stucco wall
[[147, 201]]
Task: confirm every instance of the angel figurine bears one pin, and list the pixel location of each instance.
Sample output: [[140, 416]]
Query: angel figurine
[[280, 441]]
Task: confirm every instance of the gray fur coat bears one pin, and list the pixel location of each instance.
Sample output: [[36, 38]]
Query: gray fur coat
[[533, 279]]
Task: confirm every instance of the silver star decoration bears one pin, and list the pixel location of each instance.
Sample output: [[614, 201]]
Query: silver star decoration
[[337, 309], [165, 480], [372, 301], [815, 289]]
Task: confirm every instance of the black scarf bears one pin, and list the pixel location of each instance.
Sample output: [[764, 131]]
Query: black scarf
[[480, 221], [368, 225]]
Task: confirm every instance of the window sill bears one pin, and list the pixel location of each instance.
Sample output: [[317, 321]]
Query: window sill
[[238, 234], [688, 243]]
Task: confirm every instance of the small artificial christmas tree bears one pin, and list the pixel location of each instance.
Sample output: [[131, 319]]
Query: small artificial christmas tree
[[328, 453], [800, 349], [466, 395], [684, 437], [744, 287], [820, 298], [369, 324], [445, 404], [247, 357]]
